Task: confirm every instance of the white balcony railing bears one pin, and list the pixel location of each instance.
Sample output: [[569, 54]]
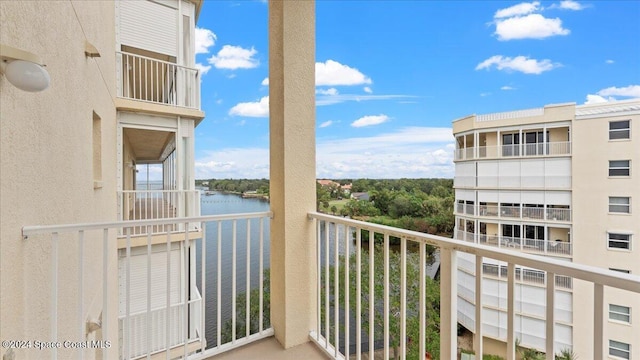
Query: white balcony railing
[[151, 80], [157, 204], [205, 318], [137, 325], [342, 304], [351, 310], [523, 244], [525, 213], [556, 148]]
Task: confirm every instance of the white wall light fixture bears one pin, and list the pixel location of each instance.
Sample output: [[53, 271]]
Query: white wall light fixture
[[23, 69]]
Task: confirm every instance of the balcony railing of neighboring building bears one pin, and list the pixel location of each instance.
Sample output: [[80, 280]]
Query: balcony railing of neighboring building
[[523, 244], [151, 80], [135, 328], [337, 314], [556, 148], [202, 315], [338, 326], [157, 204], [516, 212]]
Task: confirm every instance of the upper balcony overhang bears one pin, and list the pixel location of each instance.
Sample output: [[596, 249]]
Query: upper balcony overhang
[[123, 104]]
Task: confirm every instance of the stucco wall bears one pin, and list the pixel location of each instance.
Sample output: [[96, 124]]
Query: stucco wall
[[46, 164], [591, 188]]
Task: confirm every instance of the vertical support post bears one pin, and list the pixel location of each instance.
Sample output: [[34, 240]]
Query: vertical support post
[[448, 304], [550, 321], [511, 313], [292, 168], [598, 321], [54, 293], [478, 342]]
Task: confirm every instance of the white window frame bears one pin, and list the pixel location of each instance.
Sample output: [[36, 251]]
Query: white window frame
[[627, 205], [619, 167], [612, 345], [620, 312], [628, 241], [627, 129]]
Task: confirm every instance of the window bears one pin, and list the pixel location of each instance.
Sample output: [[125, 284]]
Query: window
[[619, 204], [619, 130], [510, 144], [619, 349], [619, 167], [620, 313], [619, 241]]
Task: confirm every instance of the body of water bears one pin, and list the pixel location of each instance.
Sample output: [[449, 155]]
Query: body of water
[[219, 204]]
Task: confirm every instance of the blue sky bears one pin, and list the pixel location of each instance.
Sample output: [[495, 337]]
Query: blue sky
[[391, 77]]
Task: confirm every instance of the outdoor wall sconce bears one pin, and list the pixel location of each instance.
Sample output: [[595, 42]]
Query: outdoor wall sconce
[[23, 69]]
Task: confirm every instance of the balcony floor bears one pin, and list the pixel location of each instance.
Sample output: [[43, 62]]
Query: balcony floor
[[270, 349]]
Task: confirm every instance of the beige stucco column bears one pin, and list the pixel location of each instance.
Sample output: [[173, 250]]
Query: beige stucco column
[[293, 168]]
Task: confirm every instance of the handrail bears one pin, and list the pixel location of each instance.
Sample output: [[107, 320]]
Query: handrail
[[559, 267], [43, 229], [158, 60]]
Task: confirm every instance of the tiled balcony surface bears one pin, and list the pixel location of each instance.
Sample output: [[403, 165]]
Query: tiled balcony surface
[[270, 349]]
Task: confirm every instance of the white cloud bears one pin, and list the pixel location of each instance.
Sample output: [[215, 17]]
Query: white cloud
[[532, 26], [410, 152], [329, 91], [265, 82], [332, 73], [326, 124], [518, 63], [569, 5], [231, 76], [414, 152], [234, 57], [258, 108], [203, 69], [507, 87], [368, 90], [516, 10], [485, 94], [628, 91], [596, 99], [205, 39], [370, 120], [340, 98], [234, 163], [609, 61]]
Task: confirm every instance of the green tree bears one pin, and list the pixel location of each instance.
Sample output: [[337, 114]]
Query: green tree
[[254, 312], [432, 330]]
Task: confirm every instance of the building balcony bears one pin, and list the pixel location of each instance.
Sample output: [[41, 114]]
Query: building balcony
[[534, 246], [157, 204], [154, 81], [557, 148], [356, 264], [527, 213]]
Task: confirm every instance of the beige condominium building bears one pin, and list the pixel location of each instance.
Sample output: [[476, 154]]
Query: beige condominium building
[[559, 181], [124, 97]]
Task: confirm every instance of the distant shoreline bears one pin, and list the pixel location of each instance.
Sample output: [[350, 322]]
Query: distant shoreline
[[245, 195]]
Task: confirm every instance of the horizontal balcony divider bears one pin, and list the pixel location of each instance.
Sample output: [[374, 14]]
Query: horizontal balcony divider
[[337, 235], [156, 81]]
